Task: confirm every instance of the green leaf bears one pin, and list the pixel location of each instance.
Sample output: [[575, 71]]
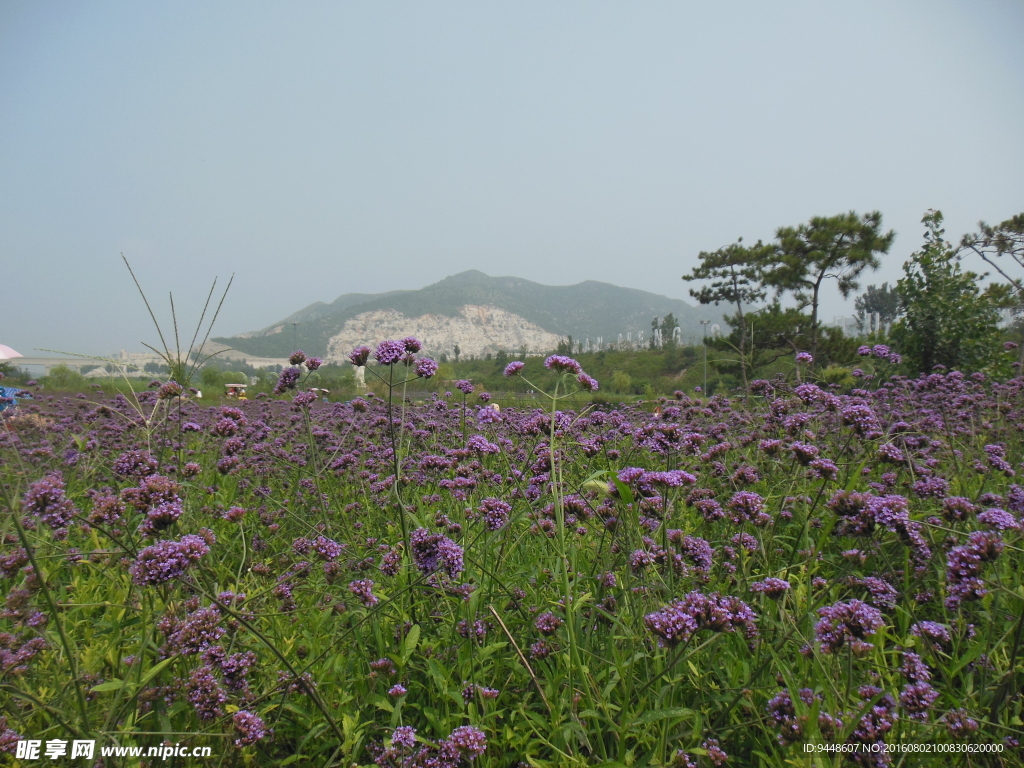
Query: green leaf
[[412, 639], [490, 650], [154, 671], [663, 714], [110, 685], [624, 493]]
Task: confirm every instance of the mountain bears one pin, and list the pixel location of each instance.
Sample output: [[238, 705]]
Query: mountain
[[480, 313]]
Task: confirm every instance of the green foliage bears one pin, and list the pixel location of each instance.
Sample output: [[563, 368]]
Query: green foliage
[[773, 333], [212, 379], [737, 278], [665, 370], [947, 318], [838, 375], [63, 378], [883, 301], [837, 248], [1001, 247], [736, 273], [667, 327], [156, 368], [621, 383], [12, 374]]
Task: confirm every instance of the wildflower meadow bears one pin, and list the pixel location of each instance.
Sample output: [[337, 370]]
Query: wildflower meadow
[[804, 575]]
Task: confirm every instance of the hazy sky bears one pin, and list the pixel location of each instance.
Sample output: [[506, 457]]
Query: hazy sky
[[315, 149]]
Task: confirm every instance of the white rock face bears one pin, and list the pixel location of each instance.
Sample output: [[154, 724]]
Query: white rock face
[[477, 330]]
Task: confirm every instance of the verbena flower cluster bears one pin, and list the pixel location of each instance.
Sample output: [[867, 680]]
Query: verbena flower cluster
[[168, 560], [678, 622]]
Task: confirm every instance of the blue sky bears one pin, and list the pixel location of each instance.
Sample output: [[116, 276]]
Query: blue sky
[[315, 149]]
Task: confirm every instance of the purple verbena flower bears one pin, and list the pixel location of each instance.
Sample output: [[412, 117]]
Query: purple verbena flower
[[715, 753], [135, 464], [363, 589], [488, 415], [932, 632], [883, 594], [782, 711], [47, 500], [161, 516], [286, 380], [205, 694], [404, 737], [888, 452], [389, 352], [748, 506], [384, 665], [677, 622], [673, 478], [804, 453], [963, 567], [304, 399], [168, 559], [841, 621], [563, 364], [547, 623], [250, 727], [359, 356], [958, 508], [959, 724], [169, 390], [481, 444], [433, 552], [914, 669], [12, 562], [931, 488], [771, 587], [425, 367], [999, 519], [469, 740], [495, 512]]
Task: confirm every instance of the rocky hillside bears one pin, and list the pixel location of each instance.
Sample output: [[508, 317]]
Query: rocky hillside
[[479, 313]]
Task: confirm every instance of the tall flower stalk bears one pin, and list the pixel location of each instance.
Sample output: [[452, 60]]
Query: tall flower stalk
[[570, 380], [391, 354]]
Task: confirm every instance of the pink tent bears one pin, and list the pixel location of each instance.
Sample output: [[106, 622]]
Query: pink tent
[[6, 353]]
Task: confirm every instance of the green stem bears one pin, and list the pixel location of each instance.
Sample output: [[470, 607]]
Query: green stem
[[79, 694]]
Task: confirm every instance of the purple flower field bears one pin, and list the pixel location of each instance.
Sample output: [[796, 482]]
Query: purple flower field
[[453, 584]]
